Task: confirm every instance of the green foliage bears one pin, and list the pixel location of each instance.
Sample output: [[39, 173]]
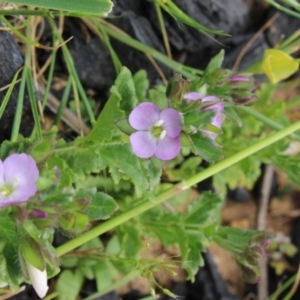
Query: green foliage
[[101, 207], [9, 251], [141, 84], [186, 231], [205, 147], [69, 284], [90, 7]]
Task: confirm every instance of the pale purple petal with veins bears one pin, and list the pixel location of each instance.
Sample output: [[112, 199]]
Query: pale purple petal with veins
[[1, 172], [144, 116], [143, 144], [193, 96], [20, 173], [171, 118], [168, 148], [217, 120]]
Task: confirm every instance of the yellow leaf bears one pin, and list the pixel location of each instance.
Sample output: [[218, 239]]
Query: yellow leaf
[[278, 65]]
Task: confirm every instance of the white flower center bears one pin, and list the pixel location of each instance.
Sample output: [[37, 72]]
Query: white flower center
[[163, 134], [6, 190], [158, 123]]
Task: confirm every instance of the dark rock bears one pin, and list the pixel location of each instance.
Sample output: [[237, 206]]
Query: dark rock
[[283, 26], [239, 195], [11, 62], [141, 29], [92, 61]]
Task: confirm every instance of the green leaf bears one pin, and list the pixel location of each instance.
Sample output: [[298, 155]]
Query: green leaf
[[205, 147], [5, 148], [215, 62], [105, 124], [231, 114], [124, 164], [30, 250], [141, 84], [119, 105], [101, 207], [202, 209], [41, 150], [41, 238], [69, 284], [9, 237], [199, 118], [126, 89], [130, 239], [83, 158], [191, 245], [91, 7], [177, 88]]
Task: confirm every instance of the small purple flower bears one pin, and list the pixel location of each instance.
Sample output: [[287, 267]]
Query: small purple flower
[[239, 78], [158, 132], [18, 174], [39, 214], [218, 107]]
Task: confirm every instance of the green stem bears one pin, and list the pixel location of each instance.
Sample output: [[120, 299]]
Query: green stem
[[264, 119], [282, 288], [176, 189]]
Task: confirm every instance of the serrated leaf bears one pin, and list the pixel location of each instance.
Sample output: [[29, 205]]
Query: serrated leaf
[[9, 237], [141, 84], [205, 147], [123, 163], [202, 209], [84, 159], [191, 245], [101, 207], [41, 150], [126, 89], [153, 173], [69, 284]]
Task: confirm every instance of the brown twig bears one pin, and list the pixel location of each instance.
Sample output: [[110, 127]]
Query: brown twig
[[252, 40]]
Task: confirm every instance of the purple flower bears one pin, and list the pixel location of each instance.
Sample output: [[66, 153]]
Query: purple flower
[[239, 78], [158, 132], [18, 174], [218, 107]]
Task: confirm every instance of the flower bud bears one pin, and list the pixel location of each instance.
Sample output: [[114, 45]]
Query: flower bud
[[38, 279]]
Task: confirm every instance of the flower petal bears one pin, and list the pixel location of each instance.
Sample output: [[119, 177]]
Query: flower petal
[[217, 120], [38, 279], [1, 172], [21, 167], [210, 98], [144, 116], [171, 118], [143, 144], [238, 78], [192, 96], [168, 148]]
